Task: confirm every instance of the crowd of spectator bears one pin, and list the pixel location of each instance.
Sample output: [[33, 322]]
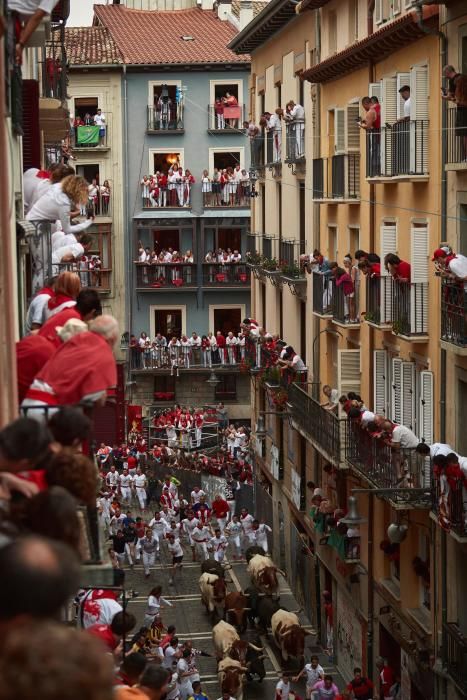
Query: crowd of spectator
[[167, 190], [97, 119], [227, 111], [270, 127]]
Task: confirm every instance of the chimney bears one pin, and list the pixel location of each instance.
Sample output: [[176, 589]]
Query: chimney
[[205, 4], [246, 13], [224, 9]]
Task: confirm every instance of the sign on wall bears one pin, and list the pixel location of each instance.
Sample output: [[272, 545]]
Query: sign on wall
[[296, 488], [274, 453], [348, 644]]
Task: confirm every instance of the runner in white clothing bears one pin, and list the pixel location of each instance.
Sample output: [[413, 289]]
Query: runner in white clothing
[[188, 525], [125, 481], [201, 536], [154, 605], [260, 531], [234, 532], [175, 549], [159, 528], [140, 482], [218, 544], [196, 495]]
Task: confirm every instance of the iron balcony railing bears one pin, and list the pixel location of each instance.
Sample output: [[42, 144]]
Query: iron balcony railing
[[234, 193], [171, 196], [165, 275], [337, 177], [185, 357], [398, 149], [456, 137], [388, 468], [379, 300], [273, 154], [267, 247], [456, 655], [168, 119], [54, 69], [321, 427], [453, 312], [90, 136], [257, 148], [323, 288], [345, 307], [231, 118], [449, 505], [295, 141], [91, 275], [410, 308], [100, 202], [225, 275]]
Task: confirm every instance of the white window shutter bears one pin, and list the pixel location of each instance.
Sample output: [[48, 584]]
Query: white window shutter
[[396, 390], [388, 116], [425, 430], [419, 288], [348, 371], [378, 11], [374, 90], [380, 376], [408, 395], [396, 7], [352, 130], [419, 115], [339, 130], [387, 241], [402, 79]]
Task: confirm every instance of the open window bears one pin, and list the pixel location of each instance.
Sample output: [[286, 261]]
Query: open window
[[165, 106], [162, 161], [86, 108], [226, 105], [168, 322], [227, 319], [95, 270]]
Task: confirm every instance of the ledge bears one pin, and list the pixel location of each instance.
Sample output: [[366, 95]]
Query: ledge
[[422, 617], [337, 200], [350, 326], [380, 326], [460, 350], [412, 338], [456, 166], [165, 132], [388, 179], [392, 588], [322, 315]]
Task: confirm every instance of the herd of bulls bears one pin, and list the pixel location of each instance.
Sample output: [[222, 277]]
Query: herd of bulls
[[258, 606]]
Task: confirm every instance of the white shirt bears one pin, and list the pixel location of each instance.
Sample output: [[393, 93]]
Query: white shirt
[[55, 205], [174, 531], [29, 7], [99, 119], [201, 534], [112, 478], [139, 481], [98, 612], [262, 534], [440, 448], [183, 667], [274, 122], [403, 436], [297, 112], [218, 543], [283, 690], [125, 481], [196, 496], [37, 311], [195, 342], [367, 417], [169, 657], [175, 548], [407, 108], [190, 525], [313, 675], [159, 527], [154, 604], [246, 522], [458, 266]]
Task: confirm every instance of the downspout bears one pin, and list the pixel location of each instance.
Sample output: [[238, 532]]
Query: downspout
[[442, 397], [128, 267]]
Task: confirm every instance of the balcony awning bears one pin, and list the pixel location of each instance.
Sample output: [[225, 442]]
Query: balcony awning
[[54, 119], [382, 43]]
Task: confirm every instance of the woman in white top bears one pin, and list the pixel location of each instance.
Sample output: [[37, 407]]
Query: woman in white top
[[206, 188], [56, 204], [154, 605]]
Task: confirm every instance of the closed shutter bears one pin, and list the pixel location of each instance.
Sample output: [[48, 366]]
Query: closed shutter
[[425, 429], [388, 116], [375, 90], [352, 132], [408, 395], [419, 116], [396, 7], [419, 286], [396, 390], [348, 371], [388, 244], [339, 131], [378, 11], [31, 129], [401, 79], [380, 381]]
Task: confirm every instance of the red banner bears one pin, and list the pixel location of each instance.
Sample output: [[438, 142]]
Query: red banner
[[135, 419]]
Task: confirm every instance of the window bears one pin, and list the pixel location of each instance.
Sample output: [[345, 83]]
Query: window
[[226, 160], [89, 172], [339, 130], [354, 239], [227, 319], [332, 32], [85, 107], [353, 21], [227, 388], [165, 105], [168, 322], [232, 95], [163, 239], [332, 242], [161, 161], [348, 371]]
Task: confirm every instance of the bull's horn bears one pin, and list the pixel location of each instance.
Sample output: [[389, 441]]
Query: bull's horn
[[294, 612], [252, 646], [246, 609], [230, 610], [279, 571]]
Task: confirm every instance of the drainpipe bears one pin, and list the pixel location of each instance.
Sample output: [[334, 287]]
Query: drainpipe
[[370, 631], [128, 267], [371, 9]]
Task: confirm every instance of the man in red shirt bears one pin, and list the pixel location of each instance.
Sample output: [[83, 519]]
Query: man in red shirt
[[400, 270], [386, 678], [88, 306], [32, 353], [122, 623], [221, 510], [360, 687]]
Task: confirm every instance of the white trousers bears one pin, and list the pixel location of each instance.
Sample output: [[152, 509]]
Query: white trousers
[[148, 561], [219, 555], [202, 548], [221, 523], [126, 493], [141, 493]]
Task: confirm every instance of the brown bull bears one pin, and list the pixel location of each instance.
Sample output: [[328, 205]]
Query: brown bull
[[236, 610], [288, 634], [231, 677], [263, 574]]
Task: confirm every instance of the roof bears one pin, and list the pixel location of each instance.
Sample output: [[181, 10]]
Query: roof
[[149, 37], [90, 46], [257, 5], [382, 43], [273, 17]]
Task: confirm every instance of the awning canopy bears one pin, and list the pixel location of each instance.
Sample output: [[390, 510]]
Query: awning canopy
[[54, 119]]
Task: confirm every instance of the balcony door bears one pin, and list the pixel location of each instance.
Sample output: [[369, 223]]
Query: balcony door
[[168, 322], [226, 320], [229, 238], [165, 239]]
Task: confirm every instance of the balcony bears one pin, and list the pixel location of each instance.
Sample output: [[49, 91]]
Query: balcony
[[90, 137], [257, 155], [322, 428], [398, 151], [165, 122], [170, 361], [173, 196], [337, 179], [410, 310], [273, 154], [295, 143], [322, 294], [54, 69], [451, 508], [386, 468], [345, 308], [231, 195], [291, 272], [453, 316], [379, 299], [456, 145], [91, 276], [456, 655], [217, 276], [347, 548], [230, 121], [100, 204], [165, 277]]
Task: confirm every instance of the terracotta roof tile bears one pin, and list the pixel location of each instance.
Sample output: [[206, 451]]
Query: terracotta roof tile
[[152, 37], [258, 5], [90, 46]]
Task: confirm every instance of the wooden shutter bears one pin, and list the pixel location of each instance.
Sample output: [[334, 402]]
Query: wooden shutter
[[388, 244], [396, 7], [348, 371], [425, 429], [396, 390], [375, 90], [31, 128], [408, 394], [401, 79], [419, 288], [378, 11], [352, 131], [419, 115], [380, 377], [388, 116], [339, 130]]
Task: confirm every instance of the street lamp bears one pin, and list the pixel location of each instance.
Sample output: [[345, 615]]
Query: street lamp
[[261, 431], [353, 517]]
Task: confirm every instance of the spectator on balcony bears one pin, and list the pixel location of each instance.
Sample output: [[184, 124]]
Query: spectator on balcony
[[30, 14], [372, 125], [404, 92], [219, 112], [457, 92], [37, 182], [275, 128], [88, 306], [221, 346], [354, 273], [231, 101], [295, 114], [57, 202], [332, 396], [216, 188], [363, 255], [400, 436], [66, 289], [231, 342], [99, 120], [206, 189], [244, 187], [82, 370], [206, 351], [145, 190], [370, 270], [400, 270], [104, 192], [36, 315], [291, 361], [433, 450], [343, 280], [453, 266], [67, 250]]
